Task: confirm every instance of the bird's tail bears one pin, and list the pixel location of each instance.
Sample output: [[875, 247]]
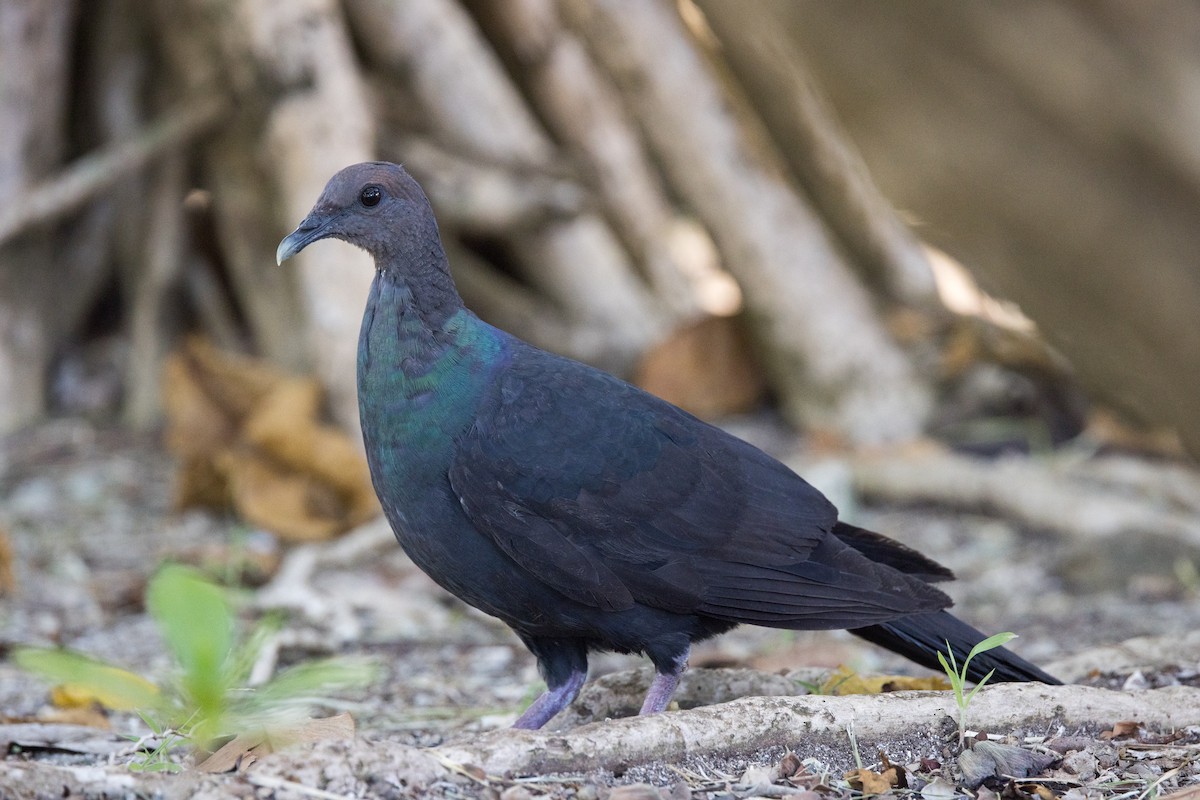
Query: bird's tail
[[921, 637]]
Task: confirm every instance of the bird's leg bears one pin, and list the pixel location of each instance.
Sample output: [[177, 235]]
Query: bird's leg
[[552, 701], [662, 689]]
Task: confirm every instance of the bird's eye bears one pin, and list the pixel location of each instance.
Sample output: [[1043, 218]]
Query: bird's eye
[[370, 196]]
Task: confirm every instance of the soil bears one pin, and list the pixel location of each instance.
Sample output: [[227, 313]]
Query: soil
[[87, 513]]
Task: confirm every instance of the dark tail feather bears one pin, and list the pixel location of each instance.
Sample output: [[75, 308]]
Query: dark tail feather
[[921, 637]]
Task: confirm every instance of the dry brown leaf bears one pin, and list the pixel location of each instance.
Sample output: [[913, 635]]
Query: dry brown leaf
[[707, 368], [790, 765], [895, 773], [1042, 792], [1125, 729], [290, 504], [237, 753], [8, 581], [197, 425], [199, 484], [870, 782], [249, 436], [243, 750], [319, 450], [234, 383]]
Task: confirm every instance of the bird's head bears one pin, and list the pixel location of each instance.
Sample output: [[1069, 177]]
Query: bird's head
[[376, 206]]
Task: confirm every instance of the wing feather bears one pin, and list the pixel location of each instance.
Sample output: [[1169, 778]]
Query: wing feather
[[614, 497]]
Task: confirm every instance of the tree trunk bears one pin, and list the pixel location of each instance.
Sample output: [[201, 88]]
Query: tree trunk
[[1050, 147], [36, 292], [829, 357]]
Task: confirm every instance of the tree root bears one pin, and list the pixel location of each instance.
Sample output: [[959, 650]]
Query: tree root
[[756, 723]]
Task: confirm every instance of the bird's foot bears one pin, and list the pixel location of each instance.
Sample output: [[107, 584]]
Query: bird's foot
[[551, 702]]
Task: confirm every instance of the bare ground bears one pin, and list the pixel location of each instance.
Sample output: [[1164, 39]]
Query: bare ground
[[88, 515]]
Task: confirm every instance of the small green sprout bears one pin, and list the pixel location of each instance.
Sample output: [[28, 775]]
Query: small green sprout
[[206, 700], [958, 675]]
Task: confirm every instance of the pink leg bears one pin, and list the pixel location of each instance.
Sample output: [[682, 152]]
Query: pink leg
[[551, 702], [662, 689]]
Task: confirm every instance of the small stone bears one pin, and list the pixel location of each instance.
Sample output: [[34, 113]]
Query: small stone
[[940, 789], [1106, 755], [760, 776], [1082, 764], [1136, 682]]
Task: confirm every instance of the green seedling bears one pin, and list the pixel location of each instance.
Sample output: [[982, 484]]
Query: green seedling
[[206, 699], [157, 759], [958, 675]]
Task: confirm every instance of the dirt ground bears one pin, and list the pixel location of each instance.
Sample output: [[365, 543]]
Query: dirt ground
[[87, 514]]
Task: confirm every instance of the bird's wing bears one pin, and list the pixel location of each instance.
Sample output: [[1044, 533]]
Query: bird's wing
[[612, 496], [883, 550]]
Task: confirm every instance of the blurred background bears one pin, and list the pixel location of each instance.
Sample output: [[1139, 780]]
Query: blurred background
[[775, 204], [940, 255], [785, 204]]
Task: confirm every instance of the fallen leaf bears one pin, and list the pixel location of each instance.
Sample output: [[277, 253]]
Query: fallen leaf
[[246, 748], [870, 782], [238, 753], [249, 436], [992, 759], [790, 765], [292, 505], [1126, 729], [845, 681], [1042, 792], [8, 582], [707, 368], [895, 773]]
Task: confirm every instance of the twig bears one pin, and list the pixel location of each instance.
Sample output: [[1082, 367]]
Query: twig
[[270, 782], [91, 174], [854, 744], [461, 769]]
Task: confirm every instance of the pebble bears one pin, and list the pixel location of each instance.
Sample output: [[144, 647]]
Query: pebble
[[1082, 764]]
